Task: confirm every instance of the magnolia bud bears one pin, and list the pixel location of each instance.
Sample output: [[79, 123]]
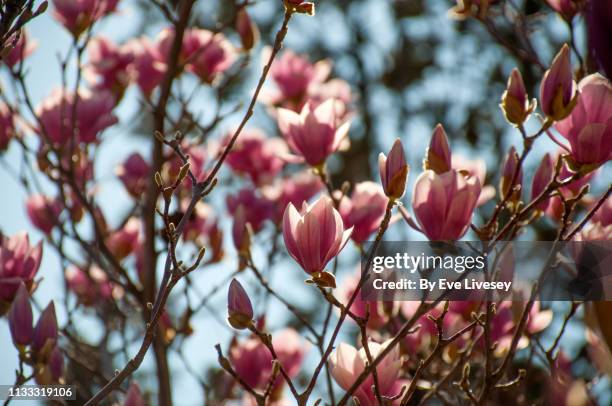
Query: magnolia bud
[[541, 179], [45, 332], [558, 89], [246, 29], [20, 318], [438, 154], [514, 102], [505, 184], [393, 171], [239, 306]]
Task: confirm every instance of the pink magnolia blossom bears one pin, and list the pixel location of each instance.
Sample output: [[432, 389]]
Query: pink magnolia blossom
[[207, 54], [20, 318], [125, 241], [315, 235], [364, 210], [296, 189], [7, 126], [149, 65], [109, 65], [515, 102], [134, 173], [313, 134], [541, 179], [347, 363], [19, 50], [257, 156], [567, 8], [19, 263], [507, 182], [91, 287], [239, 308], [393, 171], [443, 204], [589, 126], [252, 361], [43, 212], [295, 75], [558, 89], [94, 113], [77, 15], [257, 208]]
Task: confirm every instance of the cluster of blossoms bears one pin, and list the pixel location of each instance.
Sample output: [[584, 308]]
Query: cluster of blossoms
[[38, 345], [281, 183], [445, 197]]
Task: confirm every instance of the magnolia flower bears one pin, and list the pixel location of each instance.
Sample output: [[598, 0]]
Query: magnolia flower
[[257, 156], [313, 134], [110, 63], [443, 204], [347, 363], [257, 209], [77, 15], [295, 189], [558, 89], [43, 212], [94, 113], [295, 74], [315, 235], [125, 241], [134, 173], [589, 126], [19, 263], [20, 318], [252, 361], [393, 171], [20, 49], [364, 210], [148, 66], [541, 179], [207, 54], [90, 287]]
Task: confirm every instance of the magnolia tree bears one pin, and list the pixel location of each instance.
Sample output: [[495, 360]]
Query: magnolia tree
[[142, 275]]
